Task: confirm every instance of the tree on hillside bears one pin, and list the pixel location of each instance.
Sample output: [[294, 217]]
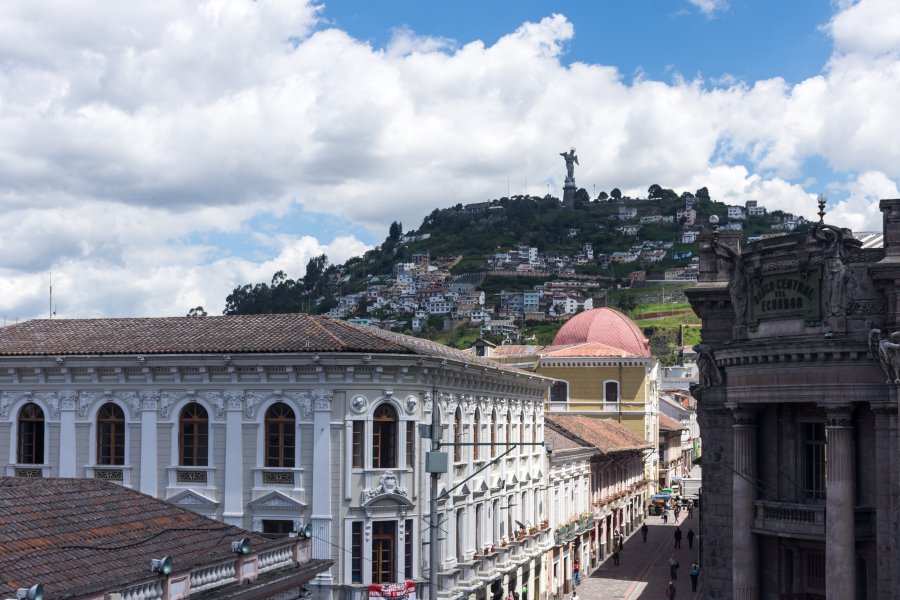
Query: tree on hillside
[[395, 231], [702, 193], [314, 282], [581, 198], [602, 196], [654, 191], [616, 193], [197, 312]]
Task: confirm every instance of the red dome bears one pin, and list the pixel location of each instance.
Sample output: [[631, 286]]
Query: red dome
[[606, 326]]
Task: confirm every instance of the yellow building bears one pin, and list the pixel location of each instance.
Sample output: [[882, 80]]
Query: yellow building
[[601, 361]]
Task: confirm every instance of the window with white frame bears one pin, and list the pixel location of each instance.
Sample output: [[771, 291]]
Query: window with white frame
[[610, 392]]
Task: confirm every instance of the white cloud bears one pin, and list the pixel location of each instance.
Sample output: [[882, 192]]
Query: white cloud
[[131, 145], [710, 7]]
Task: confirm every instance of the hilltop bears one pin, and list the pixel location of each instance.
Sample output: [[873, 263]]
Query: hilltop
[[515, 268]]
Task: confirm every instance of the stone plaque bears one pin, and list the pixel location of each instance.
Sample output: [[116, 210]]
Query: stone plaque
[[786, 294]]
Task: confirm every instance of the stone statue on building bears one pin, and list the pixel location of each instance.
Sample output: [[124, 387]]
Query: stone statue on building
[[737, 280], [836, 276], [571, 161], [886, 354]]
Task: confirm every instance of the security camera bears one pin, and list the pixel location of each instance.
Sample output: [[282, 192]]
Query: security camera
[[549, 449]]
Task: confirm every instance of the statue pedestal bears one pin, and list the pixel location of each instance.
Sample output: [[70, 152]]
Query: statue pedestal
[[569, 193]]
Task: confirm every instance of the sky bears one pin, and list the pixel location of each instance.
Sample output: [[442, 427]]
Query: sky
[[155, 155]]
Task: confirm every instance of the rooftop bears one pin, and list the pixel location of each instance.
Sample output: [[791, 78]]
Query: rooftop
[[606, 435], [605, 326], [233, 334], [76, 536]]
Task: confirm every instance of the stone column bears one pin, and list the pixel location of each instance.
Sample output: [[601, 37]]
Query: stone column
[[149, 455], [745, 580], [234, 460], [885, 497], [840, 544]]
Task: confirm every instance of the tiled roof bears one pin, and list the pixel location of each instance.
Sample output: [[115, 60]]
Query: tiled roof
[[515, 350], [586, 349], [605, 434], [667, 423], [606, 326], [79, 535], [233, 334], [560, 441]]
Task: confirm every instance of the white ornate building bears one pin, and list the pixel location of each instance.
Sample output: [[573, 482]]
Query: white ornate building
[[270, 422]]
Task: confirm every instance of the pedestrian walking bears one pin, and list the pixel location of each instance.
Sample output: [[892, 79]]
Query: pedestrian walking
[[690, 537], [644, 530], [670, 591], [574, 595], [695, 574], [524, 591], [677, 512], [673, 568], [615, 556], [576, 570], [665, 516], [678, 537]]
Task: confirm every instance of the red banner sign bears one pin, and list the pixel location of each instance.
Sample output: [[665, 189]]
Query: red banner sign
[[396, 591]]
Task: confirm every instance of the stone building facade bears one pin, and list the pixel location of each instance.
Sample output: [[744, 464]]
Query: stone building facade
[[272, 422], [798, 407]]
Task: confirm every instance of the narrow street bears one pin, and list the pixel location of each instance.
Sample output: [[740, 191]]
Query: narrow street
[[643, 570]]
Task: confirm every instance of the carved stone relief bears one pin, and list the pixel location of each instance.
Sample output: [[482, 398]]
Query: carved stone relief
[[387, 485]]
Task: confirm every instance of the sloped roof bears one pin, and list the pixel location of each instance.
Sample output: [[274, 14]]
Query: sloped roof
[[586, 349], [606, 435], [79, 535], [667, 423], [561, 441], [606, 326], [232, 334]]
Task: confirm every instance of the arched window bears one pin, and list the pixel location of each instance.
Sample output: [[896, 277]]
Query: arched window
[[457, 436], [281, 427], [476, 435], [31, 435], [494, 433], [384, 437], [110, 435], [193, 436]]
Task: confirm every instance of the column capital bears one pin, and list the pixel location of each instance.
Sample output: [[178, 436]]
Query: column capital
[[838, 415], [744, 414]]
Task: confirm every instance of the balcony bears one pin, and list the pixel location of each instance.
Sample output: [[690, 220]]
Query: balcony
[[120, 474], [790, 520]]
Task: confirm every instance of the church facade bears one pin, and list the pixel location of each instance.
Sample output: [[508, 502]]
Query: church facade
[[273, 422], [798, 405]]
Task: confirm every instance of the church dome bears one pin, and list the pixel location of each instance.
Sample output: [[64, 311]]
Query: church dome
[[606, 326]]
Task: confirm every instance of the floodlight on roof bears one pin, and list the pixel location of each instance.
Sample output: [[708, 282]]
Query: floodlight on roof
[[241, 546], [162, 565], [35, 592]]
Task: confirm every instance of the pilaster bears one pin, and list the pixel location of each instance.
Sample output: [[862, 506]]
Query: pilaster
[[67, 435], [321, 494], [234, 462], [840, 546], [149, 454]]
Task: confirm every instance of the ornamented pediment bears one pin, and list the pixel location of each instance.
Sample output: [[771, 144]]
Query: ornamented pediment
[[276, 502], [194, 501], [388, 487]]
